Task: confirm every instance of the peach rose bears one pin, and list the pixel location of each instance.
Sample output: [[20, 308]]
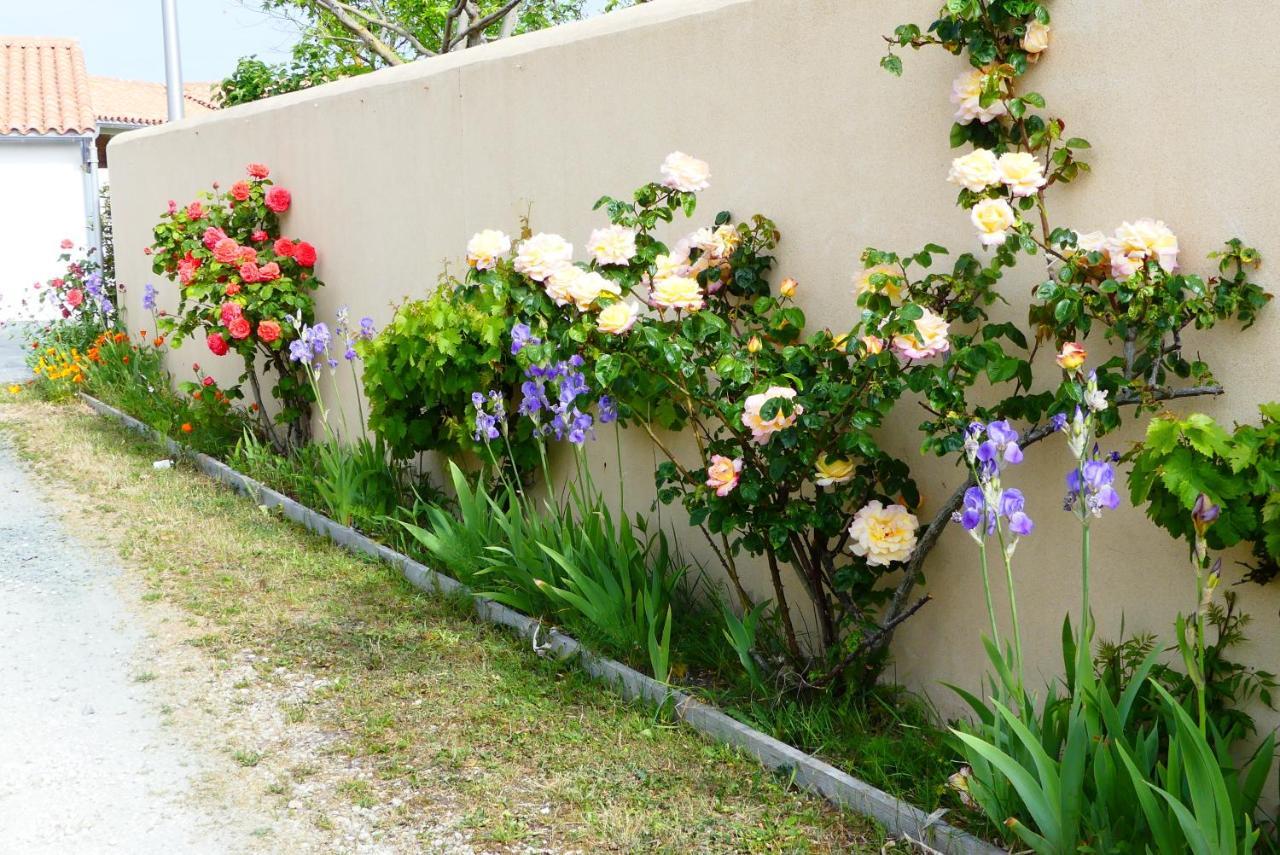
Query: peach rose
[[883, 535], [966, 94], [762, 429], [723, 474], [542, 255], [1036, 39], [612, 245], [1072, 356], [890, 287], [618, 317], [677, 292], [930, 338]]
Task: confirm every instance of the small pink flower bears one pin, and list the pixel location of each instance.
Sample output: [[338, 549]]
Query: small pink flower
[[66, 243], [723, 474]]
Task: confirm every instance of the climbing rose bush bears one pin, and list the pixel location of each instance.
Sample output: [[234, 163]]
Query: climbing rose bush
[[243, 287]]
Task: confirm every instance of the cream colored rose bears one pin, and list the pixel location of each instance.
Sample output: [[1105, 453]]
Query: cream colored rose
[[486, 247], [676, 292], [975, 171], [891, 287], [703, 239], [1134, 243], [584, 290], [830, 472], [762, 429], [931, 338], [559, 285], [993, 219], [724, 241], [723, 474], [618, 317], [1091, 242], [612, 245], [883, 535], [675, 264], [542, 255], [1036, 39], [1021, 172], [684, 173], [966, 94]]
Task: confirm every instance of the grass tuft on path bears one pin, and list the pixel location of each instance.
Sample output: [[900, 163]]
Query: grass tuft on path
[[523, 752]]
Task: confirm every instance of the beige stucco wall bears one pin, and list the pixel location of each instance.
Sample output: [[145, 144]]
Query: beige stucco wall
[[392, 172]]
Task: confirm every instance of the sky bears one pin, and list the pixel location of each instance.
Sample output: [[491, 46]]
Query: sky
[[122, 38]]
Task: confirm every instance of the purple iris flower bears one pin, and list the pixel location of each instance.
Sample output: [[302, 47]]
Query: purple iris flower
[[607, 410], [149, 297], [522, 337], [299, 350], [1058, 422], [367, 330], [1092, 484], [971, 512], [477, 400], [1021, 524], [1011, 502]]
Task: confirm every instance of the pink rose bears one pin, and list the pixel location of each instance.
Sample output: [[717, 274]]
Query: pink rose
[[195, 211], [229, 312], [278, 199], [226, 251], [247, 254], [211, 237], [258, 170], [268, 331], [66, 243], [258, 236], [217, 344], [240, 191], [305, 254], [283, 247], [239, 328], [268, 272], [723, 474], [249, 272], [74, 298]]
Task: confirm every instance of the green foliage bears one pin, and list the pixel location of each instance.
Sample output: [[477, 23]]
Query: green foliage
[[421, 369], [1181, 459], [575, 563], [311, 64]]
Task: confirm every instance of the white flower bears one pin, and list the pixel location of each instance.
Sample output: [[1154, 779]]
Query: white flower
[[1095, 399], [674, 264], [762, 429], [676, 292], [486, 247], [724, 241], [684, 173], [993, 219], [832, 471], [1091, 242], [585, 289], [612, 245], [542, 255], [1036, 39], [975, 171], [966, 94], [883, 535], [559, 285], [618, 317], [1021, 172]]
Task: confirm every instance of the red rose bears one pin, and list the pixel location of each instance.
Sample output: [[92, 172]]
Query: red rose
[[226, 250], [278, 199], [240, 191], [247, 254], [268, 271], [217, 344], [259, 170], [283, 247], [239, 328], [268, 331], [66, 243], [233, 289], [211, 237], [305, 254], [195, 211], [258, 236], [208, 381], [75, 298], [249, 272], [229, 312]]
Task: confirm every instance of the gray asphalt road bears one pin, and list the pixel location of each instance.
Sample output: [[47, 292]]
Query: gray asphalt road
[[86, 764], [12, 355]]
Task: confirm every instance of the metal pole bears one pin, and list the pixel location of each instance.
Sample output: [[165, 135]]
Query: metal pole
[[172, 59]]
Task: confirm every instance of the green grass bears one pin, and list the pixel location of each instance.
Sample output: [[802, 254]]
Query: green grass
[[527, 750]]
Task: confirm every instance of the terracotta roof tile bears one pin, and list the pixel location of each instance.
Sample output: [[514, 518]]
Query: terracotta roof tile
[[137, 102], [44, 88]]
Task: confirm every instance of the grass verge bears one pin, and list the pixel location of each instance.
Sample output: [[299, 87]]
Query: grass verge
[[525, 752]]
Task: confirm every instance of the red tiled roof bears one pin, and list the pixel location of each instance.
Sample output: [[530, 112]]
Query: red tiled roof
[[44, 88], [137, 102]]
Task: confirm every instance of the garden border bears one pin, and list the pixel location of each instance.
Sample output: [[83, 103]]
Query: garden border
[[840, 788]]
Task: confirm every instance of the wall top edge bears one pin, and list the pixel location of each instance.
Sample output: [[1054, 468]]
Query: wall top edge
[[651, 14]]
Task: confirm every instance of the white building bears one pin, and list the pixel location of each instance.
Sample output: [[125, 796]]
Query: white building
[[54, 124]]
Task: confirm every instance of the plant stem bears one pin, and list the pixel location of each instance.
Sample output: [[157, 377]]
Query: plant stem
[[986, 590]]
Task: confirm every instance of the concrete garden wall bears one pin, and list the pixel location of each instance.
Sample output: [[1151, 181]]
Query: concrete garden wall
[[392, 173]]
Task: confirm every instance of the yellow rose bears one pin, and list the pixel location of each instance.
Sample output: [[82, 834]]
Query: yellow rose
[[754, 345], [788, 288], [612, 245], [1072, 356], [831, 472], [677, 292], [883, 535], [1021, 173], [975, 171], [993, 219], [1036, 39], [892, 286], [559, 285], [617, 318], [930, 339], [584, 290], [873, 344]]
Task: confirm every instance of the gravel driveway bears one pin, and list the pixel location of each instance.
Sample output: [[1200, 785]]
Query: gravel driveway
[[86, 762]]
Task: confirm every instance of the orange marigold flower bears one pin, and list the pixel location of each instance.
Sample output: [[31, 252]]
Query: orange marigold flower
[[158, 341], [186, 427]]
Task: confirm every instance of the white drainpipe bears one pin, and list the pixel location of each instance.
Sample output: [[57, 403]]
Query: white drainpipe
[[89, 181]]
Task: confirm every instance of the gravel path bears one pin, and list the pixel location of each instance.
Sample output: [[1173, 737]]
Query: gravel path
[[87, 764], [12, 355]]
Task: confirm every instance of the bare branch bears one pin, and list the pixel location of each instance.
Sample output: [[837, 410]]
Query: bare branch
[[366, 36], [484, 23], [381, 20]]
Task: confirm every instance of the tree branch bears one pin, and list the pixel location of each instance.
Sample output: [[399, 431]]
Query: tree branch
[[386, 23], [483, 24], [366, 36]]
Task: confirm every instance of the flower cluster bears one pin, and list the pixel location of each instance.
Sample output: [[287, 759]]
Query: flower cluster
[[491, 415], [990, 508], [1127, 250], [549, 398]]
